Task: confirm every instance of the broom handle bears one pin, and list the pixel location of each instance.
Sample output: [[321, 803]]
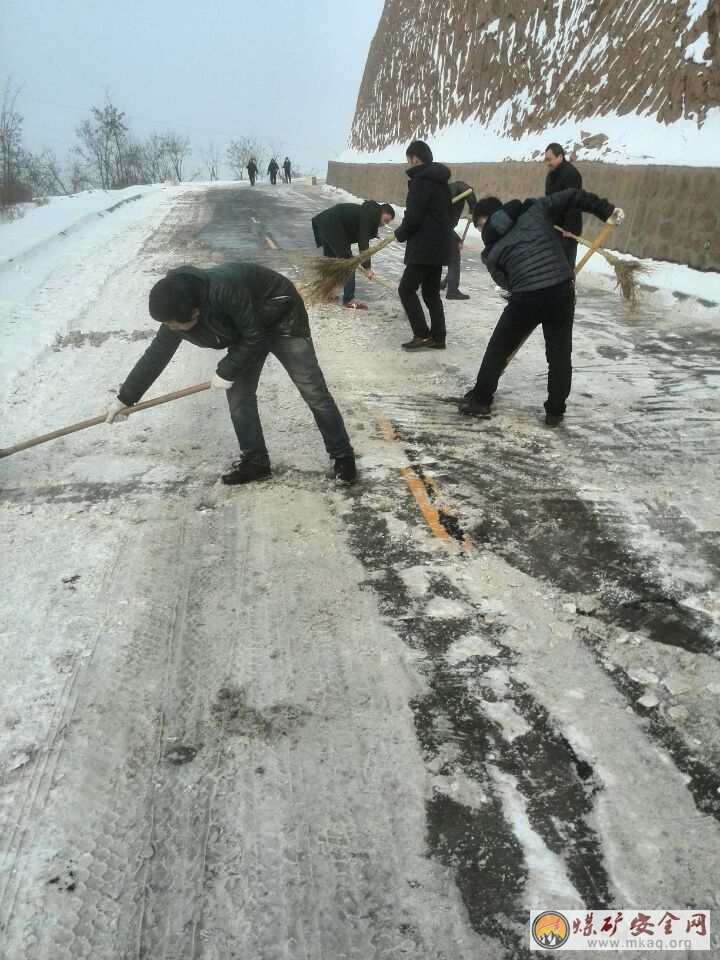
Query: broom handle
[[467, 227], [83, 424], [461, 196], [382, 283], [592, 248], [597, 242]]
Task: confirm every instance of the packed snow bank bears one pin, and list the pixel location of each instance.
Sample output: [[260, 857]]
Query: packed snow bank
[[630, 139], [86, 238]]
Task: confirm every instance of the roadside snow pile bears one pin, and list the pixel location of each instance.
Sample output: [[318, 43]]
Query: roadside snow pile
[[60, 255]]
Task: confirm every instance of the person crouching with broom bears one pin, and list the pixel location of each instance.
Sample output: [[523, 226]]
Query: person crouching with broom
[[338, 227], [249, 311], [524, 255]]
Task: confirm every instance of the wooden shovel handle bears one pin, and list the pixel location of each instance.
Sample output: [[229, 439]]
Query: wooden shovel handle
[[467, 227], [83, 424]]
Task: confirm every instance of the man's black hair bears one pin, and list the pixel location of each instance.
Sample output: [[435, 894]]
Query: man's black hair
[[557, 150], [386, 208], [419, 149], [486, 207], [173, 298]]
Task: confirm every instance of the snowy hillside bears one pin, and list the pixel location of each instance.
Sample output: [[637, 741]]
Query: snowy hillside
[[634, 81]]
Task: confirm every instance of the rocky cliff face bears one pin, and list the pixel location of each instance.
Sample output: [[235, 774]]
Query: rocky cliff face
[[528, 66]]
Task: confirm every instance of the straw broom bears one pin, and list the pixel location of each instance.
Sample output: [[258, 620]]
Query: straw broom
[[627, 272], [331, 273]]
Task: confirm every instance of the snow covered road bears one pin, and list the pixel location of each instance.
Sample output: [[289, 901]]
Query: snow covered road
[[296, 721]]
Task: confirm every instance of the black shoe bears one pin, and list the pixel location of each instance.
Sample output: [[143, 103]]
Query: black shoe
[[345, 470], [247, 471], [471, 408], [438, 344], [457, 296], [443, 283], [554, 419], [419, 343]]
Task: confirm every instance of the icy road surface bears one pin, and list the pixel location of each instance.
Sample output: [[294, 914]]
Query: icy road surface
[[302, 722]]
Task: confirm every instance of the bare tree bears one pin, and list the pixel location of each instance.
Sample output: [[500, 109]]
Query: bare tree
[[105, 146], [211, 158], [43, 175], [11, 148], [177, 149], [240, 151]]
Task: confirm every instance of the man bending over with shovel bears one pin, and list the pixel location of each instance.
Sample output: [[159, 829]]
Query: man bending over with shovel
[[249, 311], [524, 255]]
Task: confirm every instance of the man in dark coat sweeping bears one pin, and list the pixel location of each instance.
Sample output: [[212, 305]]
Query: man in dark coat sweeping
[[562, 175], [427, 229], [338, 227], [524, 255], [249, 311]]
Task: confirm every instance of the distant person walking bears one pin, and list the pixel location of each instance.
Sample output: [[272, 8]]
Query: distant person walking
[[252, 170], [338, 227], [562, 175], [524, 254], [287, 169], [427, 229], [272, 170], [249, 311], [452, 280]]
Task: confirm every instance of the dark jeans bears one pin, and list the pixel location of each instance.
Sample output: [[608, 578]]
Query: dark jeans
[[554, 309], [297, 355], [349, 288], [453, 270], [273, 177], [427, 279]]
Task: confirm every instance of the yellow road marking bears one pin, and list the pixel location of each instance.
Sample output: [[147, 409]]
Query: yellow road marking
[[421, 488]]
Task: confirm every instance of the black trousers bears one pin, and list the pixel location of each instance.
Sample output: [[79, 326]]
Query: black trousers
[[554, 309], [427, 280]]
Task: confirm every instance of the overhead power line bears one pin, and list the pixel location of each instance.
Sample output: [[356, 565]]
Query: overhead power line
[[186, 126]]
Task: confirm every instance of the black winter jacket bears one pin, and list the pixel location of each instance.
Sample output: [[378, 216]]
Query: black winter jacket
[[427, 224], [565, 177], [523, 251], [241, 303], [348, 223]]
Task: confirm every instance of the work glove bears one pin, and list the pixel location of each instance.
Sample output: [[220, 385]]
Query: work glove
[[217, 383], [617, 216], [115, 412]]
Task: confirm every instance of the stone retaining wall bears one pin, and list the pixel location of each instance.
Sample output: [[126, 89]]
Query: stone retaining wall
[[672, 213]]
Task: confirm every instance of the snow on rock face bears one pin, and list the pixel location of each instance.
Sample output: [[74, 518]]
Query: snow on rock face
[[512, 69]]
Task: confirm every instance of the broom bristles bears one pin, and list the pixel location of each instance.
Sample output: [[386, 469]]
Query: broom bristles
[[331, 273], [627, 274]]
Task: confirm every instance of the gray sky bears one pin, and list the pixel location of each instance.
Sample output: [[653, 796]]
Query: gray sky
[[287, 72]]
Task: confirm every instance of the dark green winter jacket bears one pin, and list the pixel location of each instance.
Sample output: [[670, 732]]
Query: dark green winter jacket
[[345, 224], [241, 304]]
